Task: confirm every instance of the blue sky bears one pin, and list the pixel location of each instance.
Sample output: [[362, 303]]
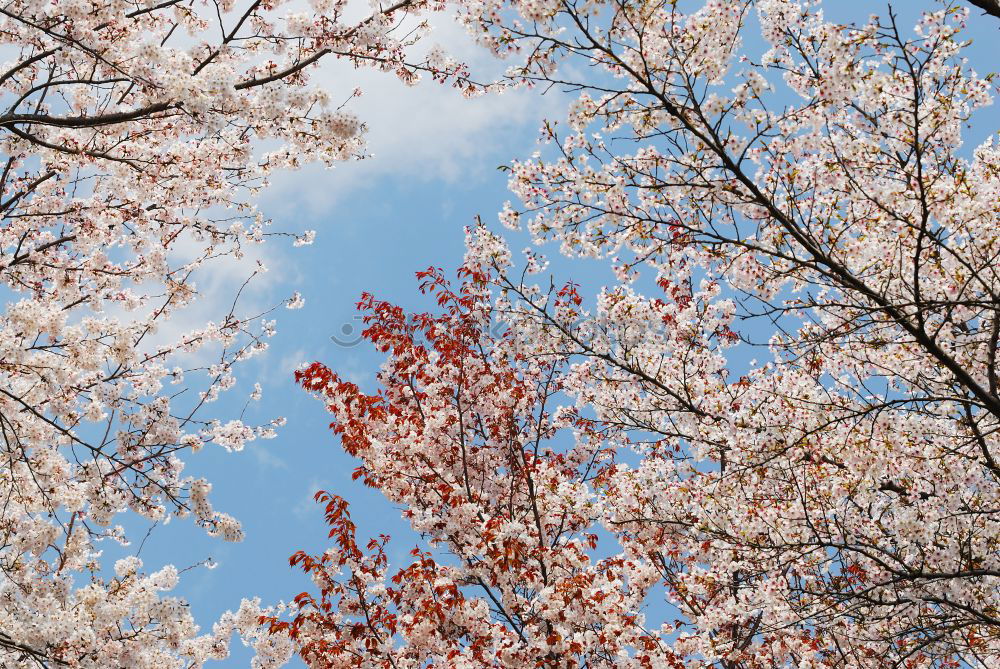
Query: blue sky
[[377, 222]]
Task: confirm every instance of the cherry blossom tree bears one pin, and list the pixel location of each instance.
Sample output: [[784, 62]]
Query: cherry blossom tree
[[580, 461], [133, 139]]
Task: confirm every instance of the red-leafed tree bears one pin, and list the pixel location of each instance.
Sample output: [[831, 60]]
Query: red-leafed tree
[[462, 435]]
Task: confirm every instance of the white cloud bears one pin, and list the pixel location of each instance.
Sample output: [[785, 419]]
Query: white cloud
[[428, 131], [290, 361], [307, 506], [263, 454]]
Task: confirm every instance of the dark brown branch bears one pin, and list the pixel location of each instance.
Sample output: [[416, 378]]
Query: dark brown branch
[[991, 7], [10, 120]]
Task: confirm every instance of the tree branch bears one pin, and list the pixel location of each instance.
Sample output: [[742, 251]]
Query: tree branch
[[991, 7]]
